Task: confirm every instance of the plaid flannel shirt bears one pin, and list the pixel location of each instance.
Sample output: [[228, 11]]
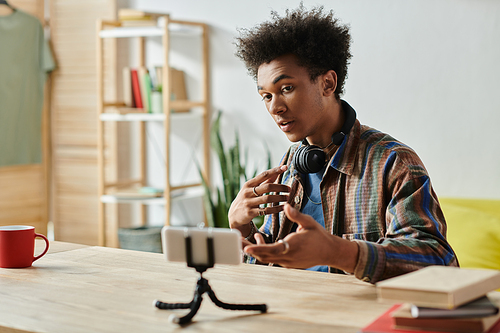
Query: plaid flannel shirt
[[377, 193]]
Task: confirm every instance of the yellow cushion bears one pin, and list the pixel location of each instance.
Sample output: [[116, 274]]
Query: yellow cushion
[[474, 231]]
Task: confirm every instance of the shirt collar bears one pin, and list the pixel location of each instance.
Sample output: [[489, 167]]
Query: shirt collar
[[344, 158]]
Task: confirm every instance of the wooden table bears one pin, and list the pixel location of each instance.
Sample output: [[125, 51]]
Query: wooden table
[[77, 288]]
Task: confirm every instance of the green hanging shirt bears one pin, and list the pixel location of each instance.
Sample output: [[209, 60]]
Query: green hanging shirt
[[25, 60]]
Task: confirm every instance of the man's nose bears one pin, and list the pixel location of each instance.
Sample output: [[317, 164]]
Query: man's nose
[[277, 106]]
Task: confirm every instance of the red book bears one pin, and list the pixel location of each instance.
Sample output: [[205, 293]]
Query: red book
[[385, 324], [136, 89]]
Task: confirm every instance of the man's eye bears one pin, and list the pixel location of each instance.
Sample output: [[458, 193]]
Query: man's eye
[[287, 88], [266, 97]]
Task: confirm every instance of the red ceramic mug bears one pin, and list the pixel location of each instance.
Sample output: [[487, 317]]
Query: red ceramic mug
[[17, 246]]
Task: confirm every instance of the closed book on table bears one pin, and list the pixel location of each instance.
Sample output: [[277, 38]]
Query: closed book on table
[[385, 323], [439, 286], [404, 320], [480, 307]]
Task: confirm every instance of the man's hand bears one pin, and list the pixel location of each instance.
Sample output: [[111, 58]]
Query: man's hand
[[255, 192], [311, 245]]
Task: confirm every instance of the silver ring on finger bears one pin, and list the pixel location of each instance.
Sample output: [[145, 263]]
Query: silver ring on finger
[[255, 192], [287, 246]]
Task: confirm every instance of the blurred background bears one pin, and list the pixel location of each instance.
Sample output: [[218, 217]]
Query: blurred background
[[424, 71]]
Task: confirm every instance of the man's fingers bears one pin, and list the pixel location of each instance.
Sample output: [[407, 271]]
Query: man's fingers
[[268, 210], [267, 251], [268, 175], [303, 220], [271, 188], [259, 239], [270, 199], [245, 242]]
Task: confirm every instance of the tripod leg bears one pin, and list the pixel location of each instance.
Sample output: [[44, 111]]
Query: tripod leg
[[250, 307], [195, 306], [171, 306], [200, 289]]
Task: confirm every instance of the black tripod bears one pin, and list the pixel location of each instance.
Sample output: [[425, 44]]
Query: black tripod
[[202, 286]]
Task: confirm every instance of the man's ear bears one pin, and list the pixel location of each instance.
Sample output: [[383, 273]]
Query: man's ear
[[329, 82]]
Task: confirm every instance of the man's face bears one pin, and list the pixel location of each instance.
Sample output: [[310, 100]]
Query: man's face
[[295, 103]]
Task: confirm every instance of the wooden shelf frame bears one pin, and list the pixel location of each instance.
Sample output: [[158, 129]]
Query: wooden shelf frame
[[178, 193], [114, 29]]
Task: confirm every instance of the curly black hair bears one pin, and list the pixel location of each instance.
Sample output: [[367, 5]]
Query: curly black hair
[[320, 42]]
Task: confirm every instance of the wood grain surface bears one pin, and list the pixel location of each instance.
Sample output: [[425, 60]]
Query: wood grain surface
[[77, 288]]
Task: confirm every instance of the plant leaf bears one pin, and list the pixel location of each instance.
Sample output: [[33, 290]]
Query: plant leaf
[[232, 171], [208, 203]]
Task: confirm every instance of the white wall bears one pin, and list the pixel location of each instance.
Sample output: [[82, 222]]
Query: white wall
[[425, 71]]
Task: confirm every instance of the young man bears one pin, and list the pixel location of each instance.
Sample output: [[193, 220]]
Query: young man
[[356, 200]]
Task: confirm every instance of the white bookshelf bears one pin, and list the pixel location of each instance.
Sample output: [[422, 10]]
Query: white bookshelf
[[114, 111]]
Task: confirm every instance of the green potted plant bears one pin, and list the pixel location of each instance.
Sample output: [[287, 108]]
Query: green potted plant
[[233, 172]]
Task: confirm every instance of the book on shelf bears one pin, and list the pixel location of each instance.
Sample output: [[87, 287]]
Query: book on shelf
[[158, 77], [136, 14], [127, 87], [139, 84], [145, 89], [403, 319], [137, 193], [136, 18], [124, 110], [480, 307], [139, 23], [136, 89], [178, 90], [148, 89], [439, 286], [386, 323]]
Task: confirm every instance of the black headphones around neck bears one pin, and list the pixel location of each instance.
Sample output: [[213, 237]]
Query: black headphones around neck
[[311, 159]]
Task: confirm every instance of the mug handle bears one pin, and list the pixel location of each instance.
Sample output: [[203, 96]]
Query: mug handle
[[46, 246]]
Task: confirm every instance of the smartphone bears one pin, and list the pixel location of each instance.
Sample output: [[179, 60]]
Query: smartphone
[[226, 244]]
